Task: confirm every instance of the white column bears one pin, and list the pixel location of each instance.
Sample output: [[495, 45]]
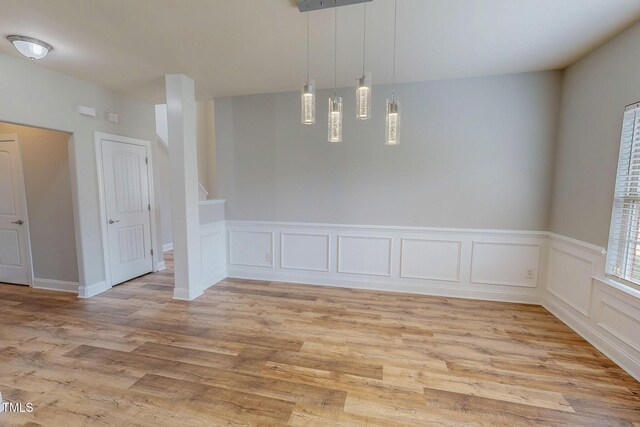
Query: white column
[[183, 164]]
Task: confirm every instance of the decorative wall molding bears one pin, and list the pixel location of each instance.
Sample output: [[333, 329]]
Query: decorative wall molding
[[365, 255], [430, 259], [213, 253], [604, 312], [56, 285], [520, 263], [401, 259], [305, 251]]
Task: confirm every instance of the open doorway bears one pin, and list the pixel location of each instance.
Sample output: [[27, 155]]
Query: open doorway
[[37, 230]]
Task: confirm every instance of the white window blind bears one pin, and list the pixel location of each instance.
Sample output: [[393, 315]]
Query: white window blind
[[623, 260]]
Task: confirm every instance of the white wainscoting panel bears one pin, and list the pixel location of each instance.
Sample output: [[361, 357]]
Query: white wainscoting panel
[[368, 255], [621, 321], [430, 259], [213, 253], [304, 251], [505, 263], [569, 276], [251, 248], [606, 313]]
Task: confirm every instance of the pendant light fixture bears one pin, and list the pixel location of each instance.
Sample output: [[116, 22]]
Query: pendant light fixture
[[392, 128], [363, 88], [308, 97], [335, 102]]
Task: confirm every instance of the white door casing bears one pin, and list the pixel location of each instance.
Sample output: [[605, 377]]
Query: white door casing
[[127, 207], [15, 253]]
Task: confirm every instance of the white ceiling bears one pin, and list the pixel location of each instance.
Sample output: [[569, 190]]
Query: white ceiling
[[235, 47]]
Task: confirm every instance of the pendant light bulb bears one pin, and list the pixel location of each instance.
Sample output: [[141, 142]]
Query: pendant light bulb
[[308, 100], [392, 119], [335, 119], [308, 95], [393, 122], [363, 86], [363, 97], [335, 102]]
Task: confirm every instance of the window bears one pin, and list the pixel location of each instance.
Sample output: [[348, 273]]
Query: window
[[623, 260]]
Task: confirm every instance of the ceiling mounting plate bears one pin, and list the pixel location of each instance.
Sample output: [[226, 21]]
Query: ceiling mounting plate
[[309, 5]]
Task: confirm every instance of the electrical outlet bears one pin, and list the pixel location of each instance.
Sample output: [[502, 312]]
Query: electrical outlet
[[529, 274]]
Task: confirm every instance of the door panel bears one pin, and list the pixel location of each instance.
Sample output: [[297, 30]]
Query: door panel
[[126, 190], [14, 250]]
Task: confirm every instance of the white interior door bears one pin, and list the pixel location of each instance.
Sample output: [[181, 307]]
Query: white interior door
[[14, 239], [126, 192]]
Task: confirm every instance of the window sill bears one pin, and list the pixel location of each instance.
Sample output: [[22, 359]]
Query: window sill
[[619, 286]]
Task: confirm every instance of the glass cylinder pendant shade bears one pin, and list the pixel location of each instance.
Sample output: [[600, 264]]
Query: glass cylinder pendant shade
[[308, 99], [363, 97], [335, 119], [393, 122]]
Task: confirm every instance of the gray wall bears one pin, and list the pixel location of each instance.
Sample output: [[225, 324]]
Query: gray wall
[[595, 92], [45, 159], [475, 153]]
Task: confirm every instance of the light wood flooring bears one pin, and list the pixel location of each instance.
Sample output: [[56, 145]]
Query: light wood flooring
[[260, 353]]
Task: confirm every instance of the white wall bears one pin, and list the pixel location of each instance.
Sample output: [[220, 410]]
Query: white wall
[[205, 138], [34, 95], [164, 183], [594, 94], [45, 158], [475, 153]]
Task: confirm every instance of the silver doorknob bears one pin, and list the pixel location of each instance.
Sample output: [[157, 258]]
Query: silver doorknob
[[19, 222], [113, 222]]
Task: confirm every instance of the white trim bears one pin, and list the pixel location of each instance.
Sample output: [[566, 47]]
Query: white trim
[[239, 272], [98, 137], [167, 247], [617, 354], [185, 294], [56, 285], [161, 266], [211, 201], [391, 228], [93, 290], [599, 250]]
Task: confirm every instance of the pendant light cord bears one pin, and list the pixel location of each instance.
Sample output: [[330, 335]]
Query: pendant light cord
[[335, 51], [364, 37], [395, 33], [307, 45]]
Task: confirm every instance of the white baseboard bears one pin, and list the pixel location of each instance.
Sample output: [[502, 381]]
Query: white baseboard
[[211, 278], [93, 289], [185, 294], [161, 266], [167, 247], [56, 285], [614, 352], [235, 272]]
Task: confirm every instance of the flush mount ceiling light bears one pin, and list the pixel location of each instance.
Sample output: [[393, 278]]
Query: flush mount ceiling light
[[30, 47]]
